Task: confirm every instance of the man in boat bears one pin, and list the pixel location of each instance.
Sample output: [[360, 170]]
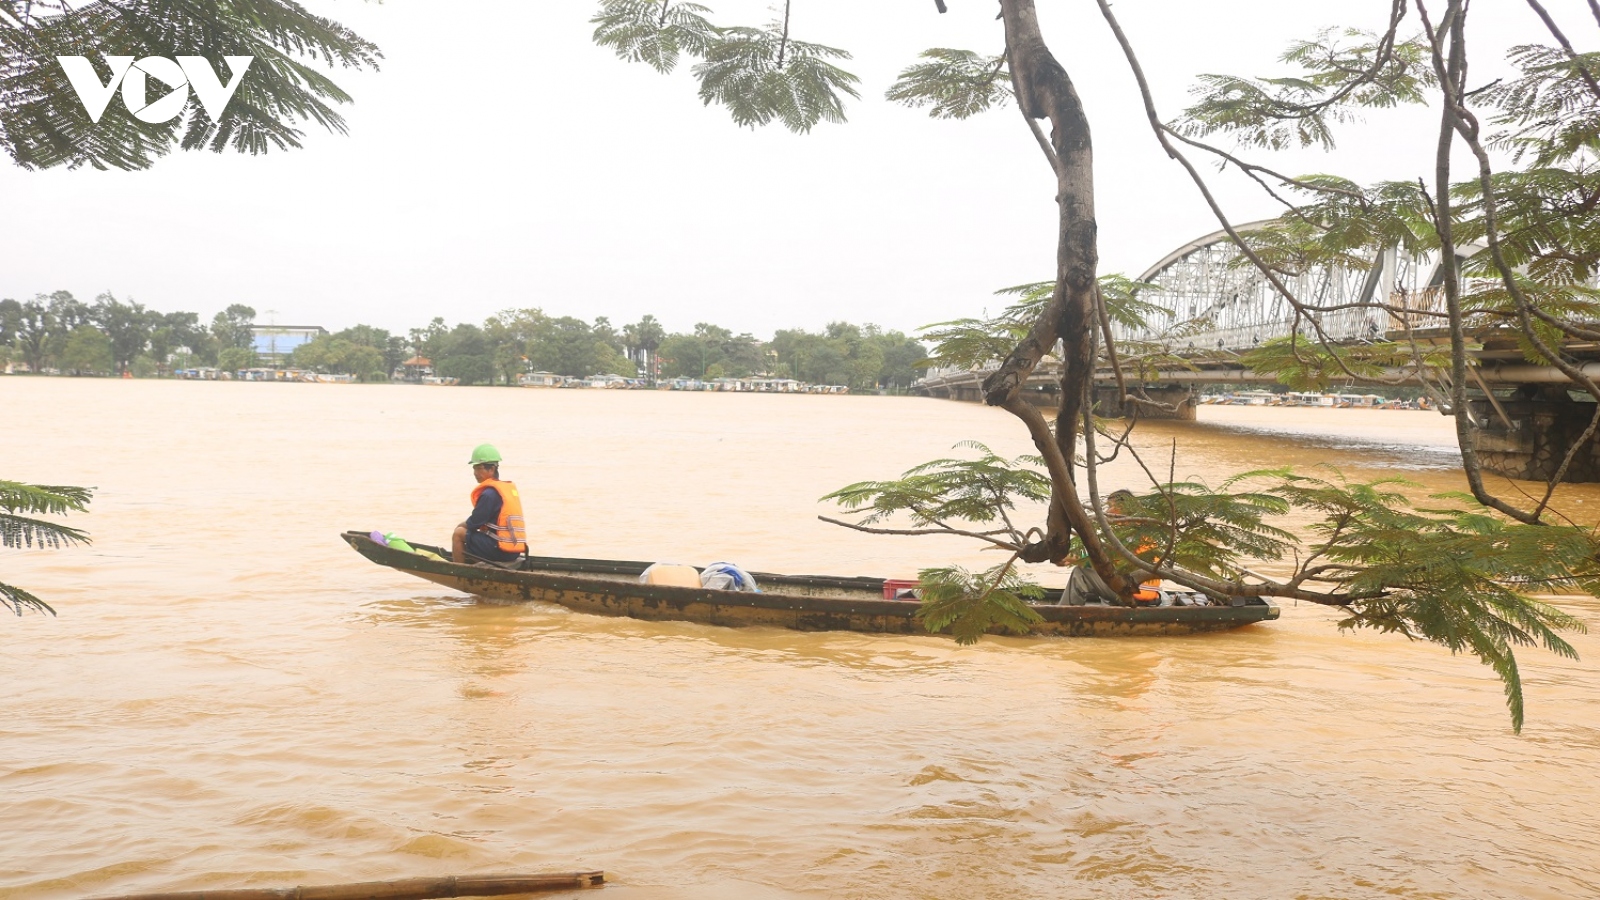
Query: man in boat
[[1084, 585], [495, 531]]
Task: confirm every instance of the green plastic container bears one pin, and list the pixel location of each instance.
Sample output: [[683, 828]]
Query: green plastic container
[[399, 544]]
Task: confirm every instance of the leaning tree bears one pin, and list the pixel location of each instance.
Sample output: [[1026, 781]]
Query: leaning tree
[[1460, 572]]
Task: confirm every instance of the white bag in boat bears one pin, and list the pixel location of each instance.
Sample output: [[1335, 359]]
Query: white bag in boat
[[670, 574], [721, 576]]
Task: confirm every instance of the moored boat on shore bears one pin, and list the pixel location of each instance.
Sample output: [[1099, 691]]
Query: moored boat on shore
[[798, 602]]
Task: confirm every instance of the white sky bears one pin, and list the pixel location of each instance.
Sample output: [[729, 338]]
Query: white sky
[[499, 159]]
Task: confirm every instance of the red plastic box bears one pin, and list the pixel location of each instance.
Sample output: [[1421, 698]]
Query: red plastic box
[[896, 589]]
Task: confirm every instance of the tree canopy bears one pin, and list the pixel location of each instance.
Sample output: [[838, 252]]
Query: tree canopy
[[1455, 576], [42, 123]]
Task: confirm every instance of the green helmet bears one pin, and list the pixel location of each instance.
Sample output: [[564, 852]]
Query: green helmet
[[485, 453]]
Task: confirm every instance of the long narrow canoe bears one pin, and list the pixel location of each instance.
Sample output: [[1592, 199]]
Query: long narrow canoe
[[799, 602]]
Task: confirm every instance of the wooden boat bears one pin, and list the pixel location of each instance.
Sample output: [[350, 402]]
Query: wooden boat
[[799, 602]]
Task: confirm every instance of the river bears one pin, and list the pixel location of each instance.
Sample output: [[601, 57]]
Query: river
[[231, 698]]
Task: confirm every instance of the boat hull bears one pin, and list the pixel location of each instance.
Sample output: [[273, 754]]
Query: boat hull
[[797, 602]]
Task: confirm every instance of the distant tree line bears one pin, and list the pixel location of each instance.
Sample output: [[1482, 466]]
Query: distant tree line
[[110, 336]]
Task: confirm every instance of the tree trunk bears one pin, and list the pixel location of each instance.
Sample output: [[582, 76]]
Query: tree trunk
[[1044, 91]]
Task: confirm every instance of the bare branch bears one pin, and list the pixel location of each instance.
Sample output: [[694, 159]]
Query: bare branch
[[919, 532]]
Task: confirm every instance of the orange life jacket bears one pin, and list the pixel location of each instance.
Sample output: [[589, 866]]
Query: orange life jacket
[[1148, 590], [508, 529]]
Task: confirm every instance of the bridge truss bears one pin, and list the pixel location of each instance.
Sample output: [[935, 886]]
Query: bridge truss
[[1219, 300]]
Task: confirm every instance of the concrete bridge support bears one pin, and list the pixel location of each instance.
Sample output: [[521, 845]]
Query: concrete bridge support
[[1036, 391], [1044, 390], [971, 392], [1529, 434], [1108, 402]]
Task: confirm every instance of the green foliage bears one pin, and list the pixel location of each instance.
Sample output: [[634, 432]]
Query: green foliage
[[127, 325], [509, 343], [654, 32], [954, 84], [983, 491], [761, 75], [1192, 527], [233, 359], [467, 369], [174, 332], [860, 357], [1340, 72], [1460, 577], [1452, 576], [1491, 305], [607, 361], [1343, 224], [19, 504], [1123, 306], [1305, 364], [42, 124], [234, 327], [31, 329], [10, 315], [429, 341], [969, 605], [973, 343], [1550, 112], [645, 337], [339, 355], [1449, 576], [87, 352], [464, 352], [391, 350], [570, 346], [1546, 221]]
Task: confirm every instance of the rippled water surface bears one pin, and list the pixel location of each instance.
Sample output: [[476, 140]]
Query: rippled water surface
[[231, 698]]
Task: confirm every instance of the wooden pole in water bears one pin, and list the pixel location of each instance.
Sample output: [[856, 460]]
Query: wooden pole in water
[[404, 889]]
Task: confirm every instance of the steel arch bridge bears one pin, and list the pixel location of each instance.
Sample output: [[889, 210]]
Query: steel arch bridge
[[1220, 306], [1219, 300]]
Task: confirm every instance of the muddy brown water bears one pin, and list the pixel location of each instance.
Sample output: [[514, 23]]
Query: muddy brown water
[[231, 698]]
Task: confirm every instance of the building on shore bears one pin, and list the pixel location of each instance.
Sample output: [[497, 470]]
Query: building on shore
[[414, 370], [274, 343]]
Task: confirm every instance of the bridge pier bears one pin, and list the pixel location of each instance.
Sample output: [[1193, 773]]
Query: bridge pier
[[1042, 394], [1108, 403], [1544, 422]]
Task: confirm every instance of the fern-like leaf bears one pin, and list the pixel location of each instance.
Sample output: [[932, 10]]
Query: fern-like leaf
[[762, 77], [953, 84], [968, 605], [655, 32], [19, 529]]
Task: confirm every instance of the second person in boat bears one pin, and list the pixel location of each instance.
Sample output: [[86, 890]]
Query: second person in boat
[[1084, 586]]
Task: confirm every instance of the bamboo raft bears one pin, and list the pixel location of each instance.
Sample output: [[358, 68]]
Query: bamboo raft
[[797, 602]]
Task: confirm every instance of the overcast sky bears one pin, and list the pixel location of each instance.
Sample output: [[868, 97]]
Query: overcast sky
[[499, 159]]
